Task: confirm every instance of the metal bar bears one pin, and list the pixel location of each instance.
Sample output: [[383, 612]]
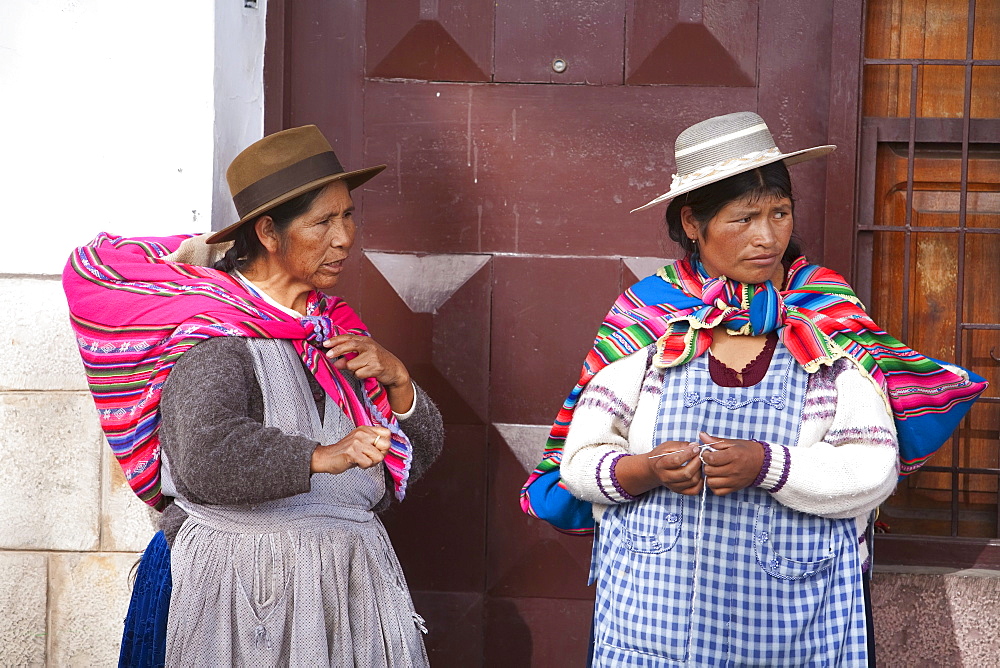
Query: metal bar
[[932, 61], [964, 193], [946, 551], [963, 197], [977, 325], [960, 469], [870, 137], [955, 444], [944, 130], [929, 228], [864, 266], [911, 151], [864, 246]]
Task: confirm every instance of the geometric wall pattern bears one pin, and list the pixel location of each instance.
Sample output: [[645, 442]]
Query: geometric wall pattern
[[673, 42], [425, 282], [641, 267], [429, 39], [692, 42], [526, 441]]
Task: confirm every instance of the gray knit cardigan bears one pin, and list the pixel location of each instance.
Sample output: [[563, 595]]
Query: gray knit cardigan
[[213, 434]]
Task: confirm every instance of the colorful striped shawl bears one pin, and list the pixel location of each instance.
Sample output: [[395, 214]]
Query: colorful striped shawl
[[135, 314], [820, 320]]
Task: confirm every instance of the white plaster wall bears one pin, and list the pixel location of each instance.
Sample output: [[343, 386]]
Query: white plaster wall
[[239, 99], [106, 123], [115, 116]]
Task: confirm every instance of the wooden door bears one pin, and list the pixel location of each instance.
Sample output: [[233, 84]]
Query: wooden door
[[930, 232], [518, 135]]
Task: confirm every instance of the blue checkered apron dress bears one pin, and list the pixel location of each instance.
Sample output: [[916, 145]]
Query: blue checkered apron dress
[[737, 580]]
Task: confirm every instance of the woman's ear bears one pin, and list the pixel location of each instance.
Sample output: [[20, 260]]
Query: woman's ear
[[689, 223], [268, 236]]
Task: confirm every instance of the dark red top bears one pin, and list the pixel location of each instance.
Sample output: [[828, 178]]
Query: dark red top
[[752, 373]]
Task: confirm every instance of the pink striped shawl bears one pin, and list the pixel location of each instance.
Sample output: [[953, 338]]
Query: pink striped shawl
[[135, 314]]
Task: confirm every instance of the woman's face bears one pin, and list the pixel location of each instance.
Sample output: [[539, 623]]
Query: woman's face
[[312, 249], [745, 240]]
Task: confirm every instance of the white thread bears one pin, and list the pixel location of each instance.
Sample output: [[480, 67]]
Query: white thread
[[698, 536], [702, 447]]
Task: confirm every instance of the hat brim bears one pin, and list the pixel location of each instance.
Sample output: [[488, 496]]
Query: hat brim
[[789, 158], [353, 179]]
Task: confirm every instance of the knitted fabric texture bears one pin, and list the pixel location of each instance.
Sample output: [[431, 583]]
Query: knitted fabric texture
[[225, 459], [842, 464], [135, 313], [818, 318]]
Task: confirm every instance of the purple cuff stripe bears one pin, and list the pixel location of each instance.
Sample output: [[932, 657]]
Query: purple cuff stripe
[[614, 479], [765, 467], [600, 481], [784, 472]]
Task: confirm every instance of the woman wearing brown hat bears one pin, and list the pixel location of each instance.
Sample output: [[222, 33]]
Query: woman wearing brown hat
[[734, 428], [281, 426]]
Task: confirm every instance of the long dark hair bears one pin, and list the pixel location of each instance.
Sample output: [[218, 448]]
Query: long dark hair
[[767, 181], [247, 246]]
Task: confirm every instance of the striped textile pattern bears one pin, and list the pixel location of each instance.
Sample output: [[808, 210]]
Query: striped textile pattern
[[819, 319], [134, 314]]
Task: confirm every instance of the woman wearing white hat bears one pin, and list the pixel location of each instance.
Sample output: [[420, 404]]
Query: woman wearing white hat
[[734, 429]]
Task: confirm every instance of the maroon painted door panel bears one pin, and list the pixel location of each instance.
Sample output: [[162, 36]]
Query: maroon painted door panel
[[499, 235], [571, 41], [692, 42], [429, 39]]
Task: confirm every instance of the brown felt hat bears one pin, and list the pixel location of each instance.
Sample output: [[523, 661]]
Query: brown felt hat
[[281, 167]]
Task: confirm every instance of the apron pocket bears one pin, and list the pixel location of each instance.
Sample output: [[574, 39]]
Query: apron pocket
[[653, 523], [790, 545]]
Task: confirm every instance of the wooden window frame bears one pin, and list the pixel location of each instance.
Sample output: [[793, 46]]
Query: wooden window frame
[[913, 549]]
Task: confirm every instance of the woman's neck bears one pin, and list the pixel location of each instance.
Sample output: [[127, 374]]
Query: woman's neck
[[277, 285], [736, 351]]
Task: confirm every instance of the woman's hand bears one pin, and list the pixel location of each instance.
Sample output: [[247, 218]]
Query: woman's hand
[[364, 447], [672, 464], [734, 465], [677, 466], [371, 360]]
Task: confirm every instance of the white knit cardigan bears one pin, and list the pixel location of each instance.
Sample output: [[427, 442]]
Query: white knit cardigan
[[844, 464]]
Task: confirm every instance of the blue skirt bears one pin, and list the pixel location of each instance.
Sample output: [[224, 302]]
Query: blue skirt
[[144, 642]]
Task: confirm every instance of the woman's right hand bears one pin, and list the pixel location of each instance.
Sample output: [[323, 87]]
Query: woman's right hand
[[364, 447], [672, 464], [678, 466]]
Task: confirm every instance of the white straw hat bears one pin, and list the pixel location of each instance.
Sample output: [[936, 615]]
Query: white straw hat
[[723, 146]]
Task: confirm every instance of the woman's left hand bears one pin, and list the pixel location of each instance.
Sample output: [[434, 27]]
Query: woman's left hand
[[371, 360], [734, 465]]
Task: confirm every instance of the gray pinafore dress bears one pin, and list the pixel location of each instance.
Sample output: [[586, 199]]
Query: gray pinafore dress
[[736, 580], [309, 580]]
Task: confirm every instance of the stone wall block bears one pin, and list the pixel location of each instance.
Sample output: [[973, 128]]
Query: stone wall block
[[936, 619], [90, 596], [37, 347], [50, 491], [23, 596], [127, 523]]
